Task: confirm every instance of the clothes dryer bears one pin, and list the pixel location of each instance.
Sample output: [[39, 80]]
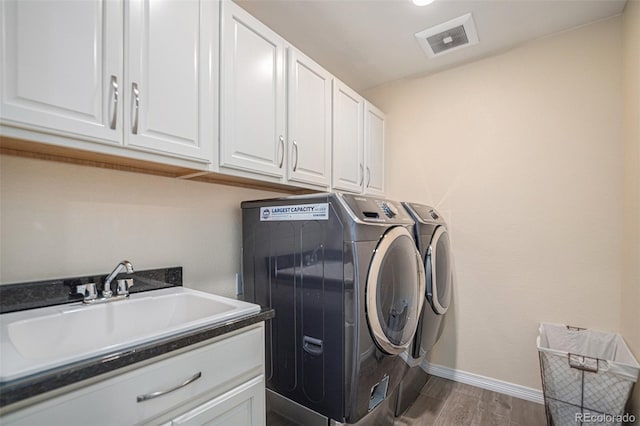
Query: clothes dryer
[[432, 241], [347, 283]]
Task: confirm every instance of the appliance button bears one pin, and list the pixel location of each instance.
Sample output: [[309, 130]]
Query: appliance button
[[389, 209]]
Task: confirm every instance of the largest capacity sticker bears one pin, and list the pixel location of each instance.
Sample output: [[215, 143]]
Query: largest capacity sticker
[[318, 211]]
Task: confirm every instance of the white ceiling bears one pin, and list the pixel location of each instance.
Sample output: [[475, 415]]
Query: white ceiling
[[369, 42]]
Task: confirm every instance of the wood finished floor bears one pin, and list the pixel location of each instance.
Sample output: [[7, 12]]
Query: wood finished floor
[[443, 402]]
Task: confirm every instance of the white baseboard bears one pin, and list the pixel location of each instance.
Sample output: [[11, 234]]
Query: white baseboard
[[483, 382]]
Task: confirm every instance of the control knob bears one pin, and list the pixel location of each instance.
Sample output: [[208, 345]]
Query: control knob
[[389, 209]]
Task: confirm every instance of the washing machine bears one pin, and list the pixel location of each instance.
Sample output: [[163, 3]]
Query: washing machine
[[432, 241], [347, 283]]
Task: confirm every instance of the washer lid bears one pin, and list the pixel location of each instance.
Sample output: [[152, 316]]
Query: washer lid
[[438, 271], [394, 291]]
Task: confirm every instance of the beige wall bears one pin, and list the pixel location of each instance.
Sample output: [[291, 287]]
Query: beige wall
[[522, 152], [60, 220], [631, 212]]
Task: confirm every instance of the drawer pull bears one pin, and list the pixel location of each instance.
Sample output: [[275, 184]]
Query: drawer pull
[[148, 396]]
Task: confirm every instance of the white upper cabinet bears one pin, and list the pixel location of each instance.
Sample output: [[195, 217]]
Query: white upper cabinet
[[252, 95], [167, 74], [193, 83], [374, 150], [79, 69], [358, 143], [309, 121], [348, 139], [62, 67], [273, 122]]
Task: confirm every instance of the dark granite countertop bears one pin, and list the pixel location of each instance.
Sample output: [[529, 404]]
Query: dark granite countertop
[[39, 294], [15, 297]]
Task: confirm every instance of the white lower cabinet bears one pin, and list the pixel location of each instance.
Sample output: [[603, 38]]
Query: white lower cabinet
[[221, 383]]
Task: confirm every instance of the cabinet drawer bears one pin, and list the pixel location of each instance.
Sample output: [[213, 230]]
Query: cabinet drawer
[[242, 406], [223, 364]]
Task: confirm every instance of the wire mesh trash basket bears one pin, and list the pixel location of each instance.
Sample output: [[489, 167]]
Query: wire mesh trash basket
[[587, 375]]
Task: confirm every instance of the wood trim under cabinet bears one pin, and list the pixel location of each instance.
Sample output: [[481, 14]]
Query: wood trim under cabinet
[[39, 151]]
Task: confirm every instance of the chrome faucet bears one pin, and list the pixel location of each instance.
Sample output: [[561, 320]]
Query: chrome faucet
[[106, 289]]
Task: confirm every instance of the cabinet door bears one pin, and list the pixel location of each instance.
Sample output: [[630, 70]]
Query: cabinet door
[[252, 126], [348, 138], [309, 121], [62, 67], [167, 70], [374, 149], [242, 406]]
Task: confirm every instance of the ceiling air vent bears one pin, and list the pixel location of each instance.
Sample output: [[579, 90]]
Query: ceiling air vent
[[448, 36]]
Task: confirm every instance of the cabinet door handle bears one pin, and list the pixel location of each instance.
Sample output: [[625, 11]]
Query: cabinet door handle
[[361, 174], [281, 146], [368, 176], [295, 165], [114, 102], [148, 396], [136, 109]]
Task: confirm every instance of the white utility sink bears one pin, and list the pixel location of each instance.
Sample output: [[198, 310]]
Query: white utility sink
[[40, 339]]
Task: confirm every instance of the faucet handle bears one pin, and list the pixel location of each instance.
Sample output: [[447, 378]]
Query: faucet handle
[[89, 291], [124, 286]]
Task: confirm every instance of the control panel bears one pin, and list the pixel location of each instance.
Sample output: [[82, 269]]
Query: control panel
[[426, 214], [376, 210], [388, 208]]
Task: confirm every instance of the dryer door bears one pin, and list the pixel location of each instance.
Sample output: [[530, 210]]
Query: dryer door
[[394, 291], [438, 271]]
